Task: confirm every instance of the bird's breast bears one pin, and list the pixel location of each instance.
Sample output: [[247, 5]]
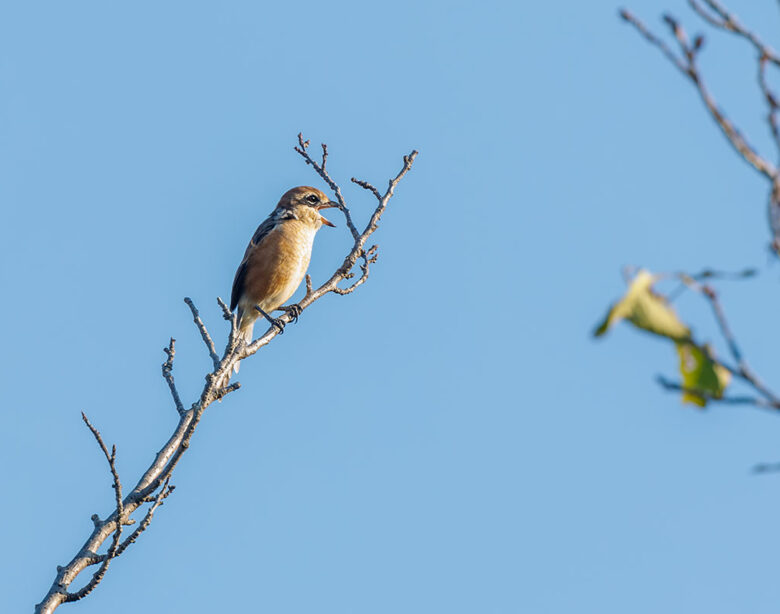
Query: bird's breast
[[277, 265]]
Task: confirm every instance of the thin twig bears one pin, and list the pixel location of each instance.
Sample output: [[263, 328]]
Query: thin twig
[[653, 39], [167, 371], [360, 238], [204, 333], [367, 186], [369, 258], [233, 337], [725, 275], [687, 66], [119, 513], [223, 392], [226, 313], [702, 275], [725, 400], [157, 501], [770, 99], [320, 170], [743, 369], [728, 22]]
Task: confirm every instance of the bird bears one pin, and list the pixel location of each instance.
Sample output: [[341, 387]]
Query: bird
[[277, 257]]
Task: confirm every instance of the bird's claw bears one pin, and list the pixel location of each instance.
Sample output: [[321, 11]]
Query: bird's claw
[[293, 311], [275, 322]]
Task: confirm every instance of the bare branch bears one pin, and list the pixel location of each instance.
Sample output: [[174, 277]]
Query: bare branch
[[231, 317], [320, 169], [725, 330], [153, 486], [770, 99], [223, 392], [687, 66], [725, 400], [308, 285], [364, 267], [167, 371], [156, 502], [226, 313], [97, 577], [203, 332], [154, 476], [716, 15], [367, 186], [653, 40], [724, 20], [684, 278], [742, 370], [727, 275]]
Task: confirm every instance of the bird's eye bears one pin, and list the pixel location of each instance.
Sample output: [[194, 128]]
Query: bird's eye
[[313, 199]]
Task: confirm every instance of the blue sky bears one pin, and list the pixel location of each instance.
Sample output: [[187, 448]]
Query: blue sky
[[447, 439]]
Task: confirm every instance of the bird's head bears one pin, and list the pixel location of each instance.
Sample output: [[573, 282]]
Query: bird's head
[[306, 202]]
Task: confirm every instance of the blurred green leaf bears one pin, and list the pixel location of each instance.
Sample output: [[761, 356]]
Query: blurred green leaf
[[646, 310], [700, 372]]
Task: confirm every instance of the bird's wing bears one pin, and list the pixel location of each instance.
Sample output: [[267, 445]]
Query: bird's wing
[[238, 285], [262, 231]]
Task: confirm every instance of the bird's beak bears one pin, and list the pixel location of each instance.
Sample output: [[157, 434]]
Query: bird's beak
[[327, 205]]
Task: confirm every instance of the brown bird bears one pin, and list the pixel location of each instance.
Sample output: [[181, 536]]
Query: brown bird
[[277, 257]]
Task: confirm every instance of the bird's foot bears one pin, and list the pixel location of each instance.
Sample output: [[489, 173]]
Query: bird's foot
[[275, 322], [293, 311]]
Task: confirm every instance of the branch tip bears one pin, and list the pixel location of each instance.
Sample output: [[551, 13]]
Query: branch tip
[[204, 333], [167, 373]]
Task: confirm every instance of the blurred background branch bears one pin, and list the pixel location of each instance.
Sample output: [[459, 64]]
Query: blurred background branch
[[686, 61], [704, 377]]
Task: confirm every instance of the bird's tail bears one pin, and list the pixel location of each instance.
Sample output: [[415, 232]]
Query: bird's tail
[[244, 332]]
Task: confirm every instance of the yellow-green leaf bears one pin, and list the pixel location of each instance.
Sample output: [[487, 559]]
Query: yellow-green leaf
[[646, 310], [700, 372]]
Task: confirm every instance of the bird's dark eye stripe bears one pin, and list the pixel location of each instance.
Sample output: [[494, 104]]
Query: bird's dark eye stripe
[[312, 198]]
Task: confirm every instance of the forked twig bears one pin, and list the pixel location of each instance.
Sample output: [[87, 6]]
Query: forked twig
[[686, 64], [717, 16], [203, 332], [742, 370], [97, 577], [167, 371]]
